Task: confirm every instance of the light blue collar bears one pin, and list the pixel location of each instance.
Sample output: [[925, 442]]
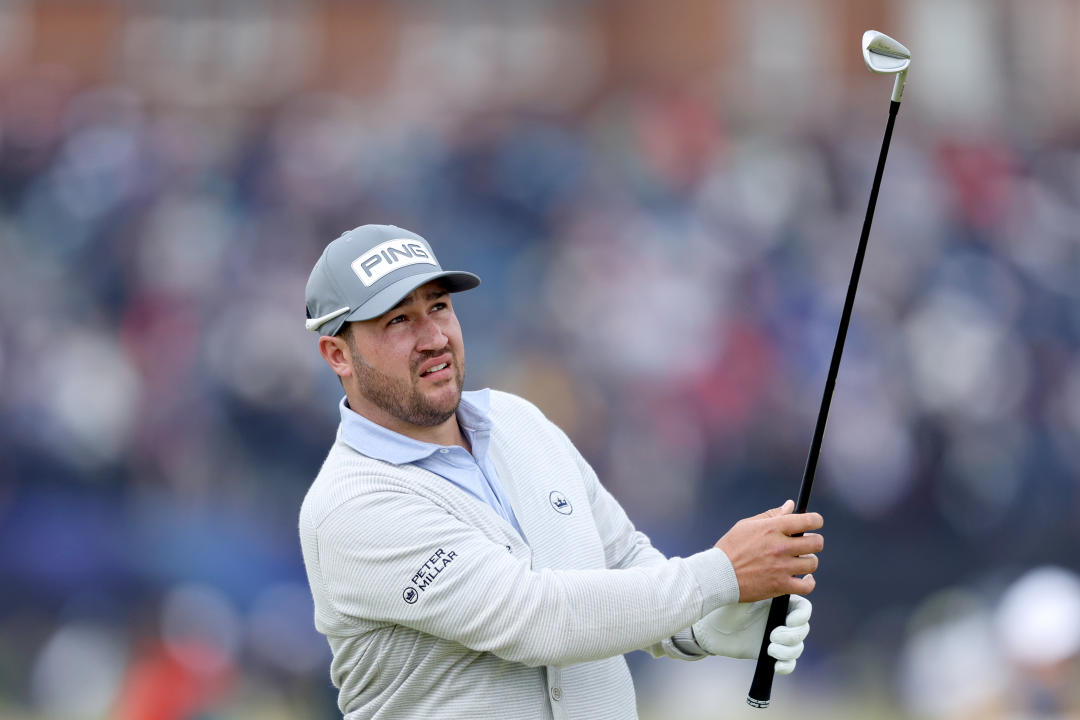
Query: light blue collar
[[381, 443]]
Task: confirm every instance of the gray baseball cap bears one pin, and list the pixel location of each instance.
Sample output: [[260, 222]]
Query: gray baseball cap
[[367, 271]]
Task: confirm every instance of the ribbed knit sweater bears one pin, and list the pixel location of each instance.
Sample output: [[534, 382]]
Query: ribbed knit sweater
[[435, 606]]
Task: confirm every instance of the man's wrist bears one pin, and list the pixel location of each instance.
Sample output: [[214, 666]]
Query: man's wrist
[[716, 579]]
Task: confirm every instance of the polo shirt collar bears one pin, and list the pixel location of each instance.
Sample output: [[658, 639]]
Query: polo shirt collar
[[382, 443]]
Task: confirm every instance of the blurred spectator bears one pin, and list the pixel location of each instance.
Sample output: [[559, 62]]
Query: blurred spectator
[[1038, 622]]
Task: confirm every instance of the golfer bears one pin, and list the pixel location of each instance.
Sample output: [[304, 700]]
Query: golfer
[[464, 559]]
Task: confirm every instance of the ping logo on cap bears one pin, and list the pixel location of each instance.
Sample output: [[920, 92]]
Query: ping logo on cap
[[386, 257]]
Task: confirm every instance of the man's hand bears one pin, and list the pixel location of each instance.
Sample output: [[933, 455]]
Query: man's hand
[[767, 560], [736, 630]]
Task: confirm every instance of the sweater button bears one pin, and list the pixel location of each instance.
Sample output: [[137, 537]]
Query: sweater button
[[556, 694]]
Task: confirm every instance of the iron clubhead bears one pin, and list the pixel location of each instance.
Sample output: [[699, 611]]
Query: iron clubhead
[[884, 55]]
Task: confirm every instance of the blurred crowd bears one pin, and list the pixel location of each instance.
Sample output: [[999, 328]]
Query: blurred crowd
[[660, 275]]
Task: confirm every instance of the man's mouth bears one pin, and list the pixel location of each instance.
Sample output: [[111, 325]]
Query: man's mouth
[[435, 369], [438, 368]]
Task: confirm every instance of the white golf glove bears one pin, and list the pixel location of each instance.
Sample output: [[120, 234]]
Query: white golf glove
[[736, 630]]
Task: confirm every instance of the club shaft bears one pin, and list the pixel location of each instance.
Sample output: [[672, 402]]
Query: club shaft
[[761, 685]]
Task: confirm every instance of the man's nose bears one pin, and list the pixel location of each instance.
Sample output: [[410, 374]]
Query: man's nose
[[430, 335]]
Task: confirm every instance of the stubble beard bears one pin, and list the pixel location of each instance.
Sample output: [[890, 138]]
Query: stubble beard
[[402, 399]]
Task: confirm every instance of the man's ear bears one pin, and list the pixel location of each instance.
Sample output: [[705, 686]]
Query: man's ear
[[335, 352]]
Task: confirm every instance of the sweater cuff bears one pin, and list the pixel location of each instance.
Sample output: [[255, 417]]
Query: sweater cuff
[[715, 577]]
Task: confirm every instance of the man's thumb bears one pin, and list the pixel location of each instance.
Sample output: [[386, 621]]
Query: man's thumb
[[785, 509]]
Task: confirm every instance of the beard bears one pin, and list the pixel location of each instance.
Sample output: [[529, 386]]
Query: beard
[[402, 399]]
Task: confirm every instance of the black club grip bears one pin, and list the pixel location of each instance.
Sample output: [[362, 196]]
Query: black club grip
[[761, 686]]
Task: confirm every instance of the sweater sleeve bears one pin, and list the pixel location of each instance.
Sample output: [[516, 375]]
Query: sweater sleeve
[[397, 557], [625, 547]]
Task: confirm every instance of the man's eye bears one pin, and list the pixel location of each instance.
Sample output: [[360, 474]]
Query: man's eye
[[439, 306], [395, 320]]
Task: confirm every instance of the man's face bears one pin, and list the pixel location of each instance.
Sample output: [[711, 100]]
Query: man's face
[[409, 363]]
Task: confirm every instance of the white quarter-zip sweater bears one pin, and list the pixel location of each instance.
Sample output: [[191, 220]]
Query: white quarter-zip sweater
[[435, 606]]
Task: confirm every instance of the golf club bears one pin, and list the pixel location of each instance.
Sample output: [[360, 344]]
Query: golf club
[[882, 55]]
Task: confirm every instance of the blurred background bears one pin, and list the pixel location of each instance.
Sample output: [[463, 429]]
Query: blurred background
[[663, 200]]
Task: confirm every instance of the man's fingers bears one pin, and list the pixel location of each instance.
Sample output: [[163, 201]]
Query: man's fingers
[[801, 585], [799, 610], [808, 544], [785, 652], [785, 509], [804, 564], [790, 635], [786, 642], [784, 668], [791, 524]]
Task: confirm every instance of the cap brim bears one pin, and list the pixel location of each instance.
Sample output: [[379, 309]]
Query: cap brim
[[388, 297]]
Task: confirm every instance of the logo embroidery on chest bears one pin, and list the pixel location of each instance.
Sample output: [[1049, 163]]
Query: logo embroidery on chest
[[560, 503]]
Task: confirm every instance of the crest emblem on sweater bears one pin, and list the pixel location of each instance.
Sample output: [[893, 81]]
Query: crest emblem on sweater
[[410, 595], [560, 503]]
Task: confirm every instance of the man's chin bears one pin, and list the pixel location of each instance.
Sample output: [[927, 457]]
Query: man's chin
[[443, 403]]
